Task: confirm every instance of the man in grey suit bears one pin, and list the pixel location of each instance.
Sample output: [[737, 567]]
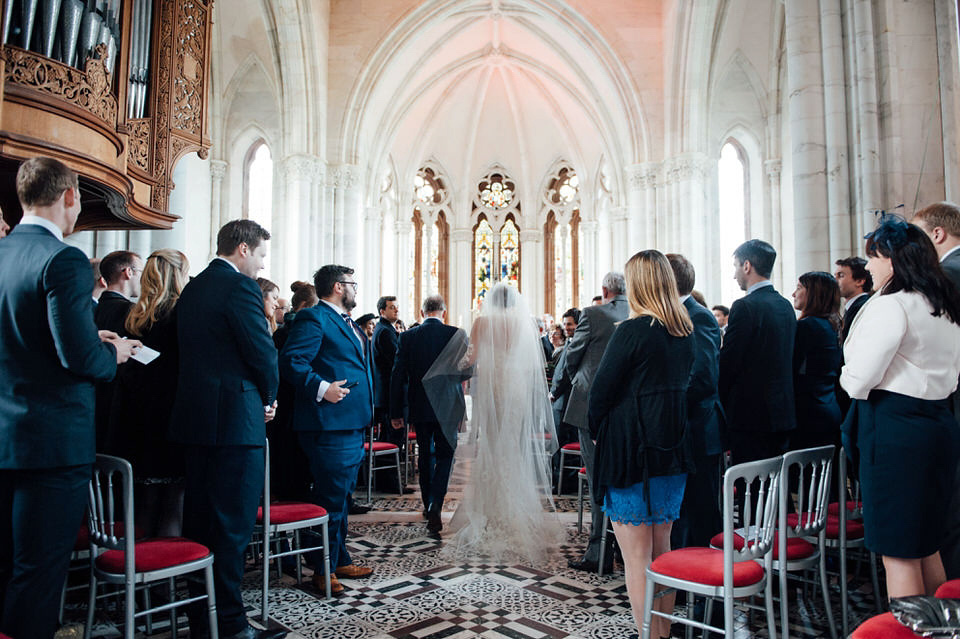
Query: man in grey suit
[[941, 223], [583, 355]]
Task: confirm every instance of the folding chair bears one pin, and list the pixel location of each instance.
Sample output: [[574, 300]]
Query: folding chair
[[566, 450], [116, 558], [581, 482], [374, 449]]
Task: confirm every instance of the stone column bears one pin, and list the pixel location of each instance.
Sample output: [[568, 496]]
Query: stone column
[[835, 123], [619, 216], [405, 266], [866, 117], [772, 170], [218, 217], [461, 278], [374, 241], [588, 260], [531, 268], [291, 243]]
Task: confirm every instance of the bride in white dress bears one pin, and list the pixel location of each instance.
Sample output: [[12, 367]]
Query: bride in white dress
[[507, 512]]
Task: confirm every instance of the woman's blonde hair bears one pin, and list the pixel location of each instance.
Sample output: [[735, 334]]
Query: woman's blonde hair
[[163, 278], [652, 290]]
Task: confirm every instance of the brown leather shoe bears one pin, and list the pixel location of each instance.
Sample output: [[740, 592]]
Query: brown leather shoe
[[353, 571], [336, 588]]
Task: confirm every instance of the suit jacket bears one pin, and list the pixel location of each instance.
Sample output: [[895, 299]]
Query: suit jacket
[[50, 353], [323, 347], [704, 412], [584, 352], [111, 311], [228, 363], [951, 266], [419, 348], [816, 367], [385, 342], [849, 315], [756, 363]]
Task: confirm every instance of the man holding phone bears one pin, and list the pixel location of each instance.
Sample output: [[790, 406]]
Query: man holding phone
[[327, 360]]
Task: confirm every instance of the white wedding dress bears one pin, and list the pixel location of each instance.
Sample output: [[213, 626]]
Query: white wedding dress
[[507, 513]]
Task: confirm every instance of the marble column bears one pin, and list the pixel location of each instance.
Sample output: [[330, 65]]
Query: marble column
[[531, 269], [461, 278], [218, 216], [866, 112], [948, 51], [374, 241], [291, 243], [772, 169], [619, 216], [588, 261], [639, 222], [835, 130], [807, 134]]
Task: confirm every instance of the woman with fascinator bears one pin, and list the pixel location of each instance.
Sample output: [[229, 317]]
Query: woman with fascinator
[[902, 362], [507, 510]]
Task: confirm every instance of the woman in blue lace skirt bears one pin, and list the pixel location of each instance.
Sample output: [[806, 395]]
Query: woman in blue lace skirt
[[638, 418]]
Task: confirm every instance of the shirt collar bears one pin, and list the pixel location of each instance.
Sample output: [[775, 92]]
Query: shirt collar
[[232, 265], [759, 285], [683, 298], [427, 319], [950, 252], [338, 309], [36, 220], [846, 307]]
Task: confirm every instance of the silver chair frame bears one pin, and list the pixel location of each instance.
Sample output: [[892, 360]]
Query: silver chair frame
[[563, 454], [370, 469]]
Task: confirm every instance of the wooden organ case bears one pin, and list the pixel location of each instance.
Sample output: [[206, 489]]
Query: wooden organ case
[[116, 89]]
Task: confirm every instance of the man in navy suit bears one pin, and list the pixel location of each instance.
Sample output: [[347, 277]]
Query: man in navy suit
[[327, 360], [700, 513], [50, 356], [855, 283], [226, 392], [384, 347], [756, 360], [436, 440]]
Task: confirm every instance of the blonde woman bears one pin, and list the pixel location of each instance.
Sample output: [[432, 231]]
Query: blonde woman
[[140, 414], [271, 301], [637, 417]]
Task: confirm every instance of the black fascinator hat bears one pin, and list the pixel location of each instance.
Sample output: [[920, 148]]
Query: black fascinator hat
[[891, 235]]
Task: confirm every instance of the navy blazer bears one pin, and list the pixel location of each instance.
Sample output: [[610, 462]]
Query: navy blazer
[[419, 348], [385, 342], [704, 412], [323, 347], [50, 353], [111, 312], [756, 363], [228, 363]]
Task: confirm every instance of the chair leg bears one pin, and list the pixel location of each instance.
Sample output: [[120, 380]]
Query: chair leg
[[211, 602], [326, 560], [296, 541], [771, 619], [728, 615], [603, 545], [784, 612], [370, 471], [147, 605], [400, 481], [688, 631], [843, 591], [560, 474], [824, 586], [91, 605], [878, 598], [129, 609], [174, 626], [579, 505], [265, 578], [647, 606], [707, 615]]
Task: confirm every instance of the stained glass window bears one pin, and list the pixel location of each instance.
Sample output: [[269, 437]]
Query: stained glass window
[[432, 284], [483, 260], [259, 194], [496, 195], [510, 254], [423, 189]]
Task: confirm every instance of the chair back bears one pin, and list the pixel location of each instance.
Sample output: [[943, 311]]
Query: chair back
[[760, 481], [853, 502], [110, 512], [812, 468]]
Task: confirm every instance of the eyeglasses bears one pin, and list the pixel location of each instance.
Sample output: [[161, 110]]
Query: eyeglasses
[[354, 284]]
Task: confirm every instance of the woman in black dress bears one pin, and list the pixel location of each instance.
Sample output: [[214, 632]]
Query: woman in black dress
[[638, 415], [140, 414], [816, 361]]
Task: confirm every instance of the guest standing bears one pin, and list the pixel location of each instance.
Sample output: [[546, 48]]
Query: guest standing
[[144, 395], [384, 343], [855, 284], [120, 271], [270, 293], [638, 415], [816, 362], [902, 363]]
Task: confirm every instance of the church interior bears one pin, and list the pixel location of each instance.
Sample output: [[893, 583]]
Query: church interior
[[440, 146]]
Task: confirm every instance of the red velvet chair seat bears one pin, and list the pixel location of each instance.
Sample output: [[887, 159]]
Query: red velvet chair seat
[[797, 548], [949, 590], [583, 470], [381, 446], [154, 554], [883, 626], [285, 512], [705, 566], [411, 436], [834, 508], [572, 446], [854, 527]]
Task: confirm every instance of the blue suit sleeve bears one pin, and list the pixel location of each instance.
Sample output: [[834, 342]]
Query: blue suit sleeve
[[302, 347], [66, 281], [249, 326]]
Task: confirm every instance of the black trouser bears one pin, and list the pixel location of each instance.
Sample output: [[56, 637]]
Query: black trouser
[[223, 489], [433, 464], [700, 513], [748, 446], [40, 515]]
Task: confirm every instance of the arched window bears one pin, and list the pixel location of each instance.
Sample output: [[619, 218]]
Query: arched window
[[258, 188], [563, 274], [496, 236], [510, 254], [482, 259], [731, 175], [432, 232]]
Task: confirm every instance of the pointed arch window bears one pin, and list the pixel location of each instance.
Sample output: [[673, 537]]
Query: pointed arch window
[[496, 235], [510, 253], [432, 232], [563, 273], [482, 259], [732, 175], [258, 188]]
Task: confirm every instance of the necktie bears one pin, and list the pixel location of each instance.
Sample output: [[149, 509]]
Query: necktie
[[353, 325]]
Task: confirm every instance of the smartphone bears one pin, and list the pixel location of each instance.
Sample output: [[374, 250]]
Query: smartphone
[[349, 385]]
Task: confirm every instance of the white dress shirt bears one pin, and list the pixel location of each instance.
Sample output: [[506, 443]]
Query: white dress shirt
[[36, 220], [895, 344], [324, 385]]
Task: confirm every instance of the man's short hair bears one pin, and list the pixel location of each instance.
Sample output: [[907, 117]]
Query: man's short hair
[[943, 214], [113, 264], [760, 255], [95, 267], [858, 271], [614, 283], [597, 298], [237, 232], [433, 304], [41, 181], [723, 309], [683, 271], [574, 313], [327, 276], [382, 302]]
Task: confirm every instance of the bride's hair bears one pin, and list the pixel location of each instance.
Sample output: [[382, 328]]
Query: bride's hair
[[503, 296], [652, 290]]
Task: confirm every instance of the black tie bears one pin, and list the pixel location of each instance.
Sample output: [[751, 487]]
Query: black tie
[[353, 325]]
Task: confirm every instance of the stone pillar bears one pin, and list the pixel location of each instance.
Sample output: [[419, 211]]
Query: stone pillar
[[772, 170], [461, 278], [867, 118], [531, 268], [218, 216], [405, 266], [807, 135], [374, 241], [291, 243], [619, 216], [835, 123], [639, 222], [588, 261]]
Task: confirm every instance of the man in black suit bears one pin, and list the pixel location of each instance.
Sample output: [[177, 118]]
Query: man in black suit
[[50, 355], [225, 394], [855, 284], [385, 342], [756, 360], [436, 435], [700, 513], [121, 271]]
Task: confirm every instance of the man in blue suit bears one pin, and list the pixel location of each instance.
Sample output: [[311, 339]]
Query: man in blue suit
[[226, 392], [50, 356], [436, 439], [327, 360], [700, 513]]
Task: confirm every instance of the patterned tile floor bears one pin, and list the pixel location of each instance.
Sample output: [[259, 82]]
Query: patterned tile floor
[[415, 594]]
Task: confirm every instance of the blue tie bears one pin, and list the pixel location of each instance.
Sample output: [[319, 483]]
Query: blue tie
[[353, 325]]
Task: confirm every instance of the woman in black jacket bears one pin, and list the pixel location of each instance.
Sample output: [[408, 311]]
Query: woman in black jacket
[[638, 416]]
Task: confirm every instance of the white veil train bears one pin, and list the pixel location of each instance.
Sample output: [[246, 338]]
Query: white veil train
[[507, 511]]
